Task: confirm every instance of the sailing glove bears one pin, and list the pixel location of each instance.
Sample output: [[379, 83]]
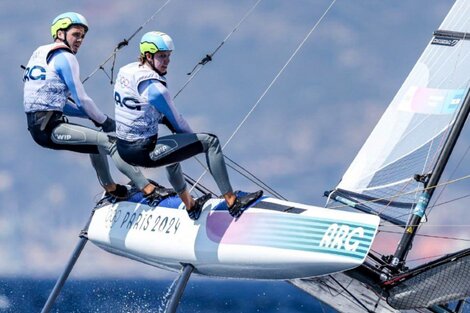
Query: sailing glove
[[108, 126]]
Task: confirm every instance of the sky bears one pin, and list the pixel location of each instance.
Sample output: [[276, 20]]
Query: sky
[[299, 139]]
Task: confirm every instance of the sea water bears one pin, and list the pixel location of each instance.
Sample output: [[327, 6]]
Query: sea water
[[145, 296]]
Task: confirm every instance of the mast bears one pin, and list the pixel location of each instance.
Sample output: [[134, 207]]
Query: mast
[[430, 186]]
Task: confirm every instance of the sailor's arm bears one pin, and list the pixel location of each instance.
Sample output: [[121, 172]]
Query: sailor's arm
[[66, 65], [159, 97]]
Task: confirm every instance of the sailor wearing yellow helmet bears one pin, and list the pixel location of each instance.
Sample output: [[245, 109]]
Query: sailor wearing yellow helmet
[[53, 90], [142, 102], [69, 28]]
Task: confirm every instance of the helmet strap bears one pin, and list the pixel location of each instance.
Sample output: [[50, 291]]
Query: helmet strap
[[152, 64], [65, 39]]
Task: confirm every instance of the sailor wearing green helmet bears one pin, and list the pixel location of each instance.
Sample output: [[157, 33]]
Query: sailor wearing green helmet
[[160, 45], [69, 28], [142, 102], [152, 42], [53, 90]]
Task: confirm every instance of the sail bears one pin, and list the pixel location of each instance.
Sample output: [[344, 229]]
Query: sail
[[405, 144]]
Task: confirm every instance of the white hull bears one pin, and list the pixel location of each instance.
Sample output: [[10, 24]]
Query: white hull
[[264, 243]]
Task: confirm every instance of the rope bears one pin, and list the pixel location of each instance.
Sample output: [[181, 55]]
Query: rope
[[209, 57], [279, 73], [122, 44]]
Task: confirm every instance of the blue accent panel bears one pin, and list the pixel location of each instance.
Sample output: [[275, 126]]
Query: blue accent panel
[[170, 202], [136, 197], [222, 206], [64, 71], [161, 44], [71, 111], [157, 99]]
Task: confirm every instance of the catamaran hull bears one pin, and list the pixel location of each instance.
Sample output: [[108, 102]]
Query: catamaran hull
[[272, 240]]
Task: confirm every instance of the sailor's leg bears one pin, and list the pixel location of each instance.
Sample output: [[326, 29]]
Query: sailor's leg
[[171, 150], [101, 166], [176, 148], [78, 137], [175, 176], [82, 139], [215, 162], [132, 172]]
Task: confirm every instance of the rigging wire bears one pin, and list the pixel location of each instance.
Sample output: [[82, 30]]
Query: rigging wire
[[209, 56], [450, 201], [279, 74], [231, 163], [351, 295], [427, 257], [451, 175], [240, 170], [431, 236], [274, 80], [407, 193], [253, 178], [122, 44], [417, 259], [201, 188], [192, 74], [434, 225]]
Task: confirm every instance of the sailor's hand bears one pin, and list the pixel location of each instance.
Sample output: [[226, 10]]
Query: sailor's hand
[[95, 123], [109, 125]]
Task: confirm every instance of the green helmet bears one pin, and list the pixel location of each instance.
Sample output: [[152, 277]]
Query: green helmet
[[156, 41], [65, 20]]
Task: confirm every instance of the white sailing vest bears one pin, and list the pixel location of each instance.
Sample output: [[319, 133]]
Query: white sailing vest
[[43, 88], [135, 117]]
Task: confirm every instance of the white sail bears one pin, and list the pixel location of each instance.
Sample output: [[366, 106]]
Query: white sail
[[411, 132]]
